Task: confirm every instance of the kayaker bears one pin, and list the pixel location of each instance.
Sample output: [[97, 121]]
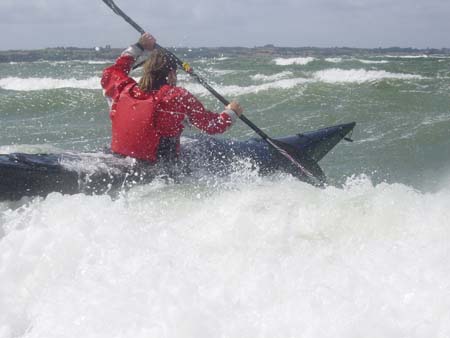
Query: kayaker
[[148, 117]]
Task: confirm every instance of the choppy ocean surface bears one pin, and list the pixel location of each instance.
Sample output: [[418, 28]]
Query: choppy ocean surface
[[245, 256]]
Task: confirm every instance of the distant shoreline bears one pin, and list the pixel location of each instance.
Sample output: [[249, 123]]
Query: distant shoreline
[[107, 53]]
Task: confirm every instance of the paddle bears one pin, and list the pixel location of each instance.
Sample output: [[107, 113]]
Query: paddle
[[282, 148]]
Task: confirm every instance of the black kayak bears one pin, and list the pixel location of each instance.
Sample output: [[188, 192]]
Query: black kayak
[[99, 173]]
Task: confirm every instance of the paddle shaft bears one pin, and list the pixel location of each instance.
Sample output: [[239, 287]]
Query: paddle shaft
[[187, 68]]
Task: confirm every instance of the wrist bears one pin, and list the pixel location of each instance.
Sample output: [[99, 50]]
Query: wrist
[[139, 45], [232, 114]]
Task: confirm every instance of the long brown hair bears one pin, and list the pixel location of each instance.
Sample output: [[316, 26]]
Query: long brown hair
[[156, 70]]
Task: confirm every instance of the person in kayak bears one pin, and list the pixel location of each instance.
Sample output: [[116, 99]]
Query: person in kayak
[[148, 117]]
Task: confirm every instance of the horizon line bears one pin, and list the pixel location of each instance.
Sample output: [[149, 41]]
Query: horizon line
[[268, 46]]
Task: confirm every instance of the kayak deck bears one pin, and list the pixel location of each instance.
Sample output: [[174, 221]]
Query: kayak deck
[[99, 173]]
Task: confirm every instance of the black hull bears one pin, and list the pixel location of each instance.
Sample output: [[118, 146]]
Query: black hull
[[93, 173]]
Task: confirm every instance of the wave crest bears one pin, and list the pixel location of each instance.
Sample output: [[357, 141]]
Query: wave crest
[[47, 83], [294, 61], [336, 75]]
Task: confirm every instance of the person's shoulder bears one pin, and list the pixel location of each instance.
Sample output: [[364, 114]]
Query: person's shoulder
[[136, 92], [175, 92], [175, 89]]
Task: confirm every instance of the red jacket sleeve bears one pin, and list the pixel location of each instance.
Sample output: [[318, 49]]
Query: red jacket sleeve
[[198, 116], [115, 77]]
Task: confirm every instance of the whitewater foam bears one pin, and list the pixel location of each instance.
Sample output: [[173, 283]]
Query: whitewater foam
[[266, 258], [275, 81], [99, 62], [293, 61], [30, 149], [213, 59], [334, 60], [422, 56], [336, 75], [33, 84], [273, 77], [198, 89], [91, 163], [372, 61], [47, 83]]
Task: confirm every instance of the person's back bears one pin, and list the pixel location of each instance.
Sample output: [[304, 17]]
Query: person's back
[[148, 118]]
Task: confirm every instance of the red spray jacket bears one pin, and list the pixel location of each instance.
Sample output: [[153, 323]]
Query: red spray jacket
[[140, 119]]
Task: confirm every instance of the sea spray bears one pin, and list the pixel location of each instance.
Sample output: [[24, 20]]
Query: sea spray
[[294, 61], [283, 80], [35, 84], [336, 75], [263, 257], [234, 90]]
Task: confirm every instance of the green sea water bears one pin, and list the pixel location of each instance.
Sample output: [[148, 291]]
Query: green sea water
[[244, 255], [401, 105]]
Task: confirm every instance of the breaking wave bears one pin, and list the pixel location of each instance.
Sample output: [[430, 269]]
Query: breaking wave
[[334, 60], [99, 62], [275, 81], [247, 261], [198, 89], [423, 56], [339, 60], [375, 62], [46, 83], [294, 61], [278, 76], [29, 148], [336, 75]]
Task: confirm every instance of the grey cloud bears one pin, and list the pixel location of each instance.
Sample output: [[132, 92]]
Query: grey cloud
[[359, 23]]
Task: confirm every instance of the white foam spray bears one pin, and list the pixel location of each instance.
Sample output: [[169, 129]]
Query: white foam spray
[[253, 258], [375, 62], [334, 60], [273, 77], [336, 75], [293, 61], [46, 83], [235, 90]]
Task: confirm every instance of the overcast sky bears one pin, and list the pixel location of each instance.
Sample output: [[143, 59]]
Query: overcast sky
[[29, 24]]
